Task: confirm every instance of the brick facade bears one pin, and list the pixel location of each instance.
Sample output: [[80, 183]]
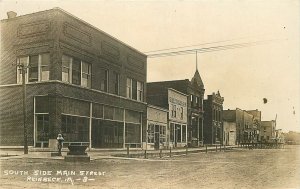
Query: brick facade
[[58, 33]]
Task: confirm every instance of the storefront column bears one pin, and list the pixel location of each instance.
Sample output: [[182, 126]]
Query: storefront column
[[124, 128], [141, 118], [90, 125], [198, 129], [34, 123]]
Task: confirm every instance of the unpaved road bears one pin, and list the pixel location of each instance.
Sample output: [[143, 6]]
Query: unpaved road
[[268, 168]]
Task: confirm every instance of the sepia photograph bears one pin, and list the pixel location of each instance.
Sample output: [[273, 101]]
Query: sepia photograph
[[129, 94]]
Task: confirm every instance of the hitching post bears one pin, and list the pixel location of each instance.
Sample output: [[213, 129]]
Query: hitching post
[[127, 151], [186, 150]]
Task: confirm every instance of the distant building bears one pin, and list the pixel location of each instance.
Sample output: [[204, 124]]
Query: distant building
[[243, 122], [268, 130], [195, 114], [176, 103], [229, 133], [255, 131], [81, 82], [213, 120]]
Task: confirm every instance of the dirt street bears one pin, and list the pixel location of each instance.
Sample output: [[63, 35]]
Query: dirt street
[[267, 168]]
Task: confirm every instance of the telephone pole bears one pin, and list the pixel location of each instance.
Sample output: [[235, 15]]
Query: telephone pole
[[23, 68]]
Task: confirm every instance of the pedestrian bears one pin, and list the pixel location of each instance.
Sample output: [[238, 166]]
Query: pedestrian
[[60, 140]]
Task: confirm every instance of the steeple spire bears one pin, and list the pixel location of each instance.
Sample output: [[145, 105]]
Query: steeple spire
[[196, 61]]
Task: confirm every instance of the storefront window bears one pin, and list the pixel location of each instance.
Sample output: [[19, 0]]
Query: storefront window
[[132, 133], [172, 132], [151, 133], [42, 125], [75, 129], [183, 133]]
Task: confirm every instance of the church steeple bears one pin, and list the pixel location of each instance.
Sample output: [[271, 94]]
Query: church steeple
[[196, 80]]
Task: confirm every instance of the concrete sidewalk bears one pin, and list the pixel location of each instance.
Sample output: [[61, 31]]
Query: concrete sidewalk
[[110, 153]]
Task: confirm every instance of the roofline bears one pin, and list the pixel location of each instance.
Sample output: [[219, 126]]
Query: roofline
[[167, 81], [177, 91], [81, 20], [157, 107]]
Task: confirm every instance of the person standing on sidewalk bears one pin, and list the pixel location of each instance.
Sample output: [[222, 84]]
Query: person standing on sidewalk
[[60, 140]]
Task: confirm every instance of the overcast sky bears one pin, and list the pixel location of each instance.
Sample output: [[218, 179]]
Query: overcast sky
[[244, 76]]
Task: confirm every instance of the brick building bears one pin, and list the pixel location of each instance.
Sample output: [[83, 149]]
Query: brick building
[[176, 104], [243, 122], [195, 90], [81, 82], [268, 131], [213, 120]]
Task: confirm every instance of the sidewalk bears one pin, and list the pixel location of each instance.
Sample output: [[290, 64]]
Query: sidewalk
[[35, 153]]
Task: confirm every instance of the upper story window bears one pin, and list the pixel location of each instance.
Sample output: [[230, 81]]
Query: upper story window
[[116, 83], [140, 91], [181, 113], [134, 89], [36, 66], [173, 110], [76, 71], [104, 80]]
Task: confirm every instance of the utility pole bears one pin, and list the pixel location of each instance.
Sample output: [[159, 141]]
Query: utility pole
[[23, 68]]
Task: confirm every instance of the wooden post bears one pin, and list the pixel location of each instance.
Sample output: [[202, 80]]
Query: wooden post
[[127, 151], [160, 153], [170, 151], [220, 147], [216, 148], [186, 150], [206, 148], [145, 155]]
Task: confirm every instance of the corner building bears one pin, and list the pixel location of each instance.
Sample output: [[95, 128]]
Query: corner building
[[80, 82]]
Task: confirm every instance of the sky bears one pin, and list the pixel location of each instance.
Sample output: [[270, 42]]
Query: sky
[[244, 76]]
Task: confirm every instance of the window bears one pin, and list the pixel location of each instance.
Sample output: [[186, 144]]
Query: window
[[135, 89], [140, 89], [172, 132], [181, 112], [86, 75], [66, 68], [42, 124], [44, 68], [150, 132], [76, 71], [75, 129], [22, 61], [173, 111], [104, 80], [33, 68], [128, 88], [183, 133], [116, 83], [37, 68]]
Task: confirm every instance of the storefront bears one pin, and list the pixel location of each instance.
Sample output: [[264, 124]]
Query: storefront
[[157, 119], [177, 128], [99, 125]]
